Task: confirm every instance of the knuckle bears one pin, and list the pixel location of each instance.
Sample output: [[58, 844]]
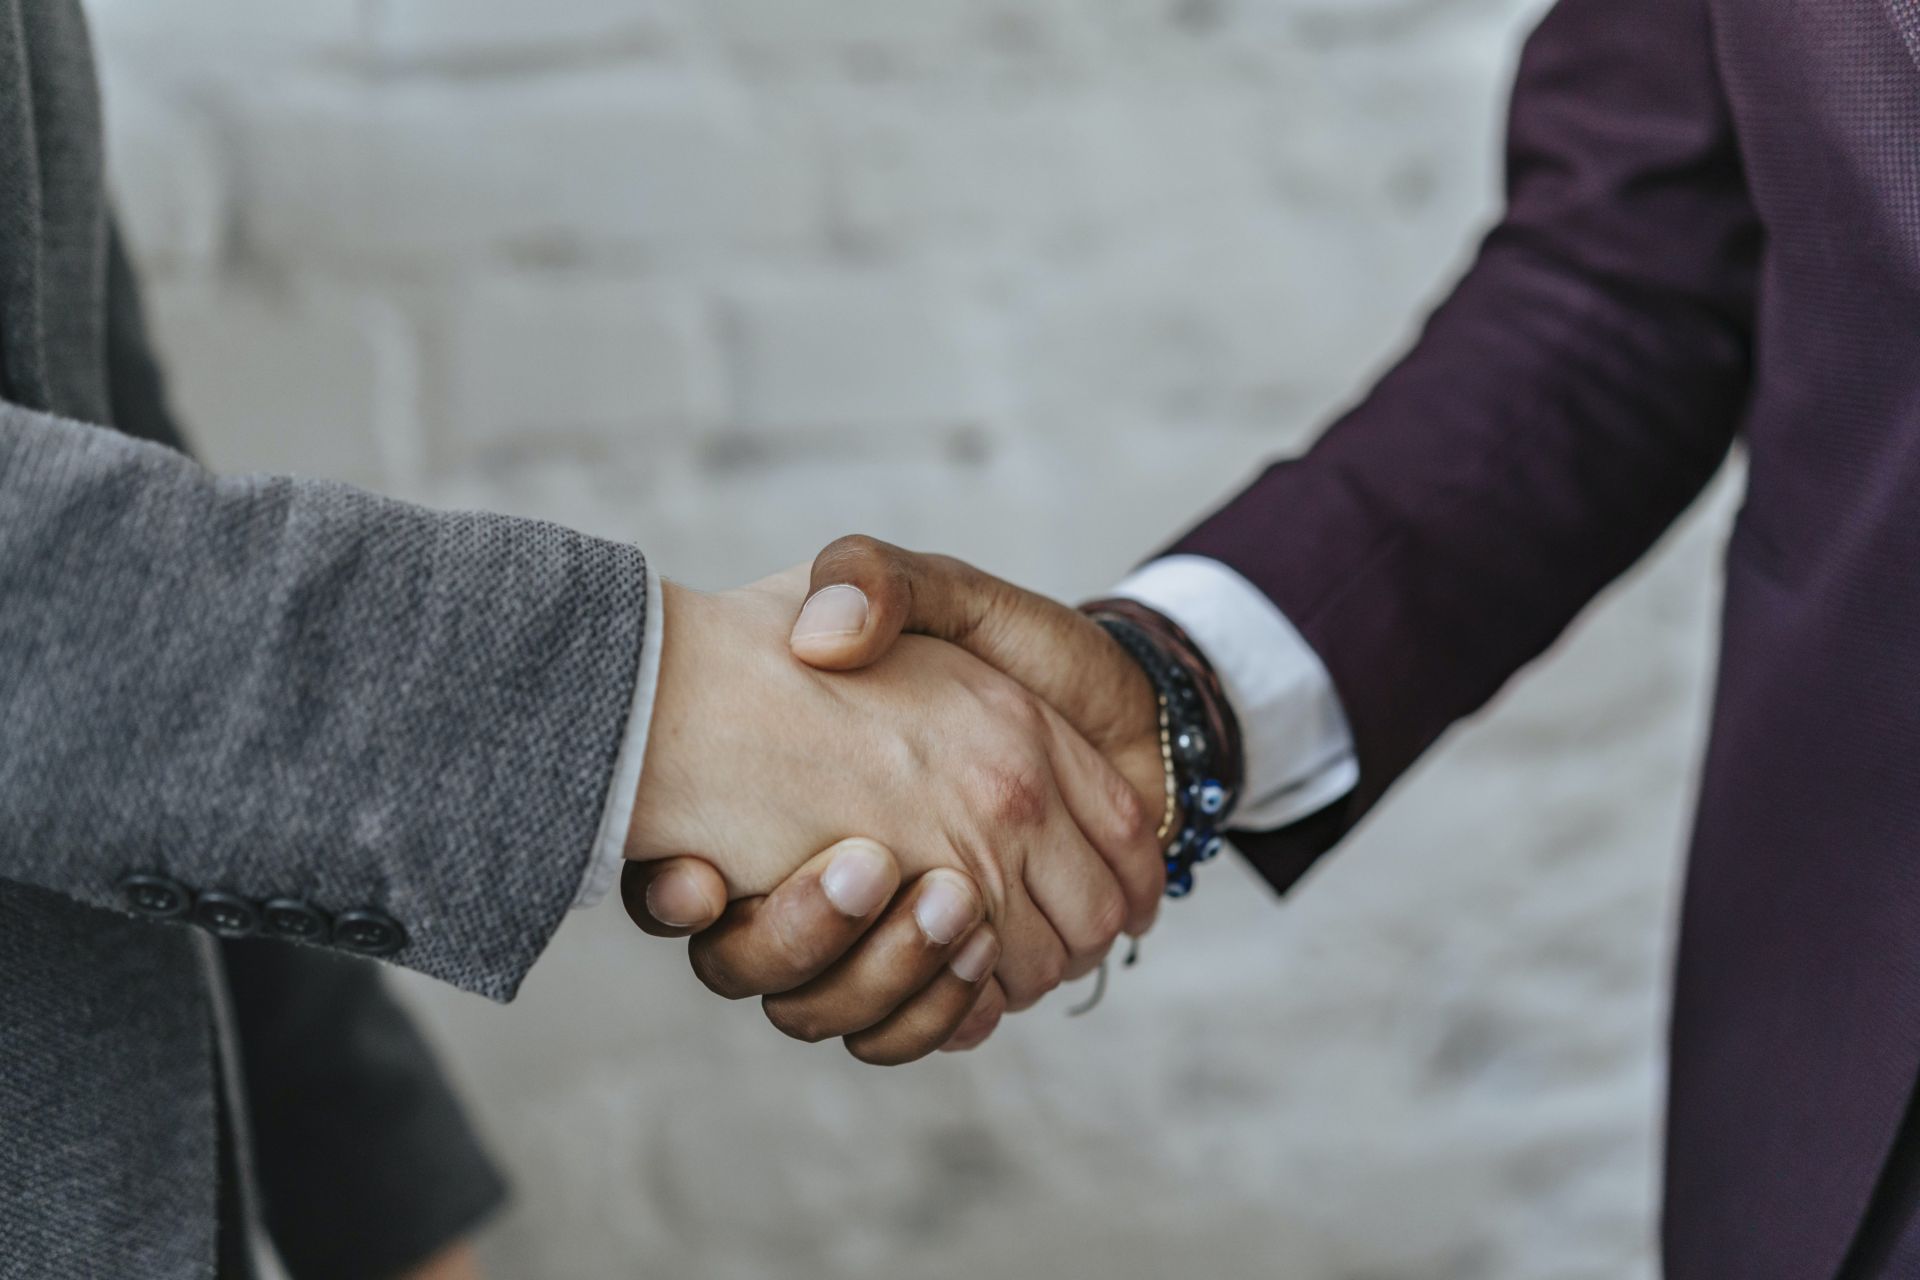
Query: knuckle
[[1110, 917], [1013, 709], [1133, 824], [786, 951], [792, 953], [990, 876], [1045, 973], [851, 553], [900, 754]]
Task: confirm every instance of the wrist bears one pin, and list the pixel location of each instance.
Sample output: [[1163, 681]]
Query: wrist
[[1134, 747], [663, 795], [734, 774], [1197, 733], [1203, 697]]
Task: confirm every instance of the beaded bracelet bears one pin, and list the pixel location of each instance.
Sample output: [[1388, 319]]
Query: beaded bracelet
[[1198, 737]]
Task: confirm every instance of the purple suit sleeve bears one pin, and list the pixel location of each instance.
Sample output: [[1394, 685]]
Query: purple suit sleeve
[[1560, 410]]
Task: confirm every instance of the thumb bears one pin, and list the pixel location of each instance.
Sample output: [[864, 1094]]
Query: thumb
[[864, 592], [673, 897]]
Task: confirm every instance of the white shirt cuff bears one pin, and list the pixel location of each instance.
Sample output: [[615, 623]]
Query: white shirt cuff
[[1297, 746], [609, 847]]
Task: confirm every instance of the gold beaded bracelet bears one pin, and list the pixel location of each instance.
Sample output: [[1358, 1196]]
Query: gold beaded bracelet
[[1170, 817]]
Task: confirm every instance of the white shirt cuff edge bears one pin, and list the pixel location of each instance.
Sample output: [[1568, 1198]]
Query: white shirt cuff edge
[[609, 847]]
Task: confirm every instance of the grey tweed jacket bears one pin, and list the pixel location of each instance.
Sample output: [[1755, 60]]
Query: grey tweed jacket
[[249, 706]]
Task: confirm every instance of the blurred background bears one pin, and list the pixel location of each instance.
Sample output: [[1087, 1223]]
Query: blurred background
[[1034, 282]]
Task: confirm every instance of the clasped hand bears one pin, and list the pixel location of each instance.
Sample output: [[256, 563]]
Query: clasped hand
[[1004, 763]]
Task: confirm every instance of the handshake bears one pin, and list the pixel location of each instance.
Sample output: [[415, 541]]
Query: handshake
[[896, 719]]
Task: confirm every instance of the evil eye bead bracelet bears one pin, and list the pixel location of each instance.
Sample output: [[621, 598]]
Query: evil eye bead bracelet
[[1199, 738]]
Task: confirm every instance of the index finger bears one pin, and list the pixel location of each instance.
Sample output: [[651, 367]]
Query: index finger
[[1112, 817], [762, 946]]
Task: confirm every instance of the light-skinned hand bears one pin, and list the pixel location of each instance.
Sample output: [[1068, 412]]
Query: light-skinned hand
[[830, 972], [755, 761]]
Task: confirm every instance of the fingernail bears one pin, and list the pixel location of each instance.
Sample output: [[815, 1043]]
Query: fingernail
[[976, 959], [856, 880], [832, 611], [946, 908], [674, 899]]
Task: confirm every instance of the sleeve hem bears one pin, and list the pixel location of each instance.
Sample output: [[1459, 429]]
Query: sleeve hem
[[609, 847], [1299, 748]]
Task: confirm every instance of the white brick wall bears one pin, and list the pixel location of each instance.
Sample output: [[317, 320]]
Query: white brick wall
[[495, 35], [839, 350], [594, 357], [1031, 282], [421, 172]]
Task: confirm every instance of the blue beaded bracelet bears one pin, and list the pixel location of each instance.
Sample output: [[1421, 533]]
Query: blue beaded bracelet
[[1190, 757]]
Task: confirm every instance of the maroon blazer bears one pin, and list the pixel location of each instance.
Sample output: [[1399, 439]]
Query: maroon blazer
[[1713, 232]]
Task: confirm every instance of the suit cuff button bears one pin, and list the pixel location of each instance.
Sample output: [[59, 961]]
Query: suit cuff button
[[156, 896], [368, 932], [295, 921], [227, 915]]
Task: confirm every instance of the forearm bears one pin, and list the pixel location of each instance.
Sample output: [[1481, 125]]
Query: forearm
[[1560, 410], [1533, 446], [280, 689]]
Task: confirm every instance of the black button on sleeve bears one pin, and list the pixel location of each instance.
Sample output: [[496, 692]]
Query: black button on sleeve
[[295, 920], [227, 914], [368, 932], [158, 896]]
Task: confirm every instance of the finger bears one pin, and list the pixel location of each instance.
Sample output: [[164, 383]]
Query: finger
[[981, 1021], [1111, 815], [1076, 891], [802, 928], [864, 592], [931, 1018], [1033, 957], [913, 941], [673, 897]]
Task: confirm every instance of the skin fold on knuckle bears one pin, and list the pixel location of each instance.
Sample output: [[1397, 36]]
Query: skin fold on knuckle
[[1029, 985], [972, 597], [1133, 825], [793, 950], [976, 853], [1109, 919], [1017, 711], [1106, 919], [1052, 971], [855, 558]]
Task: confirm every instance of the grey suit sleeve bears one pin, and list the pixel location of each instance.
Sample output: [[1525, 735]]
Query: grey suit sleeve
[[293, 689]]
